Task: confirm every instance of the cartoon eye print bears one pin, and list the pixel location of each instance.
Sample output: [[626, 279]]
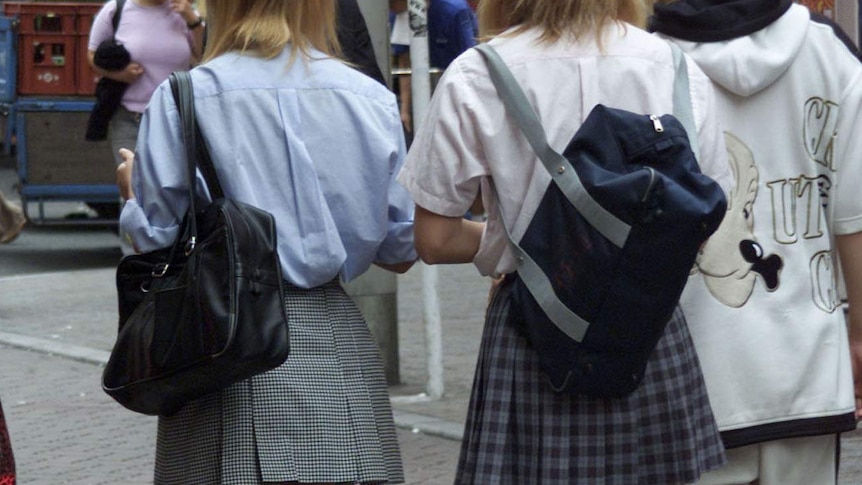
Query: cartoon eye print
[[732, 258]]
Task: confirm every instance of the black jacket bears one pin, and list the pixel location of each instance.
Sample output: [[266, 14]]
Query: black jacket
[[719, 20], [355, 41]]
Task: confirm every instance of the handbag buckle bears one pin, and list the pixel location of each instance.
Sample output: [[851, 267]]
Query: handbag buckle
[[190, 246], [160, 270]]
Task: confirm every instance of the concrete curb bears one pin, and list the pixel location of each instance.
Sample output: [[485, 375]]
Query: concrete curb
[[419, 423], [69, 351]]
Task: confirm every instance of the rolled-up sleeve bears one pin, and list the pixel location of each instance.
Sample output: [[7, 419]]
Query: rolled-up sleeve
[[152, 219], [398, 246]]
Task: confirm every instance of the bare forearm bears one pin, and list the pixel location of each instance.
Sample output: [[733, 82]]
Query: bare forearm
[[850, 254], [441, 239]]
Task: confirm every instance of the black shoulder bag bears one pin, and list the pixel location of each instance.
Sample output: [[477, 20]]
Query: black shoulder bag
[[605, 257], [206, 312]]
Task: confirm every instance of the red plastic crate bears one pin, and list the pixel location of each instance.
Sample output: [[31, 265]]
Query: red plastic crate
[[43, 17], [85, 76], [46, 64], [85, 13]]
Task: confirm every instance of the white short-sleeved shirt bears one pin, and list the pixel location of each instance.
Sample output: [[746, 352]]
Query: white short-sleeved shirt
[[467, 138]]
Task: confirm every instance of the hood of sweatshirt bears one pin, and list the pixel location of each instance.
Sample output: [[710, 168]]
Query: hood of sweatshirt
[[742, 45]]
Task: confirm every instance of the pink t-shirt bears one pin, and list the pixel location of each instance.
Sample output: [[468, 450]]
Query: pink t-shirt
[[156, 37]]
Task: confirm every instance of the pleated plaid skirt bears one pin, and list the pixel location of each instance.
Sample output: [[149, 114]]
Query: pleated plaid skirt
[[322, 416], [519, 431]]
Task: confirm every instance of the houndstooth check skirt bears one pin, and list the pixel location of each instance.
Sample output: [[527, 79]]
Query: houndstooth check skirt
[[322, 416], [519, 431]]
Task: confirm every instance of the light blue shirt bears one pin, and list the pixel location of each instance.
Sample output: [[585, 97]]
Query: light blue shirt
[[315, 143]]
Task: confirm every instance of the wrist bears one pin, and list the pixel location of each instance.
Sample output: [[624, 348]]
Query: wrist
[[195, 23]]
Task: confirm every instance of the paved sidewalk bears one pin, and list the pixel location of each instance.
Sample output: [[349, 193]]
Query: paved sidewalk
[[65, 430]]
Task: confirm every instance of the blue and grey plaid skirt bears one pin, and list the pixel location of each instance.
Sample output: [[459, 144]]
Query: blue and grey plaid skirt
[[520, 431], [322, 416]]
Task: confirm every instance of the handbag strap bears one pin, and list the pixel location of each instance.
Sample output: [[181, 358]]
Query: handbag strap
[[197, 155], [182, 87], [682, 109]]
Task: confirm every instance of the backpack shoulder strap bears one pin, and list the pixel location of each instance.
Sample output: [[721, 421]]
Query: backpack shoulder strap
[[682, 98], [561, 171]]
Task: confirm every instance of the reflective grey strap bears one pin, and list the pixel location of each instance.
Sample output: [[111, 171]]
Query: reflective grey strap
[[682, 99], [540, 287], [566, 178]]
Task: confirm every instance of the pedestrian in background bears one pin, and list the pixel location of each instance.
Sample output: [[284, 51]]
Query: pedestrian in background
[[12, 220], [355, 41], [298, 133], [567, 56], [452, 29], [161, 36], [763, 302]]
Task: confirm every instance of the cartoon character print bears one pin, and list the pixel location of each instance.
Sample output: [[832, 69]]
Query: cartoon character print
[[731, 259]]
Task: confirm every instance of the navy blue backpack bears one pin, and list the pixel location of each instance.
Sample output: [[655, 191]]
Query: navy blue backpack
[[606, 256]]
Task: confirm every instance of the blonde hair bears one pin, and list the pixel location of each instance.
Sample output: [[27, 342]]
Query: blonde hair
[[266, 26], [558, 18]]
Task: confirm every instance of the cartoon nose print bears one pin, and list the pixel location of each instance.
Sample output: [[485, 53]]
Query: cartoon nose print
[[768, 268]]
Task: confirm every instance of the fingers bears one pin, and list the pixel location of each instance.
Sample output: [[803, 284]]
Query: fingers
[[180, 6], [131, 73], [124, 174], [127, 155]]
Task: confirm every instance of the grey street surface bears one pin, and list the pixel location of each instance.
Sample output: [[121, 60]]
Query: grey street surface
[[58, 322]]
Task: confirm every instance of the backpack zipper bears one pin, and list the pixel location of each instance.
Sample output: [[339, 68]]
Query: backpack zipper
[[656, 123]]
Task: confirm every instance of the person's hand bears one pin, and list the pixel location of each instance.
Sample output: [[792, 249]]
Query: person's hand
[[407, 119], [495, 285], [399, 268], [185, 9], [130, 74], [124, 174]]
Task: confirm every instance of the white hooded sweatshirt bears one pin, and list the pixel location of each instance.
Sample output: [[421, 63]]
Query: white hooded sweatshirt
[[763, 301]]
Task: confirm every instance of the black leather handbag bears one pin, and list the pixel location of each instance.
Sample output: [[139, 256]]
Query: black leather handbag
[[206, 312]]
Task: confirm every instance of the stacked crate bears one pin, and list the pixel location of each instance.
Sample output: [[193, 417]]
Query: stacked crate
[[85, 75], [52, 103], [52, 47]]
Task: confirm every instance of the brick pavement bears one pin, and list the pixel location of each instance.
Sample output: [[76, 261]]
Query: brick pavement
[[66, 430]]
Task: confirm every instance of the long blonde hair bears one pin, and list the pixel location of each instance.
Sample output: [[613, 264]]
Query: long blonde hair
[[266, 26], [557, 18]]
